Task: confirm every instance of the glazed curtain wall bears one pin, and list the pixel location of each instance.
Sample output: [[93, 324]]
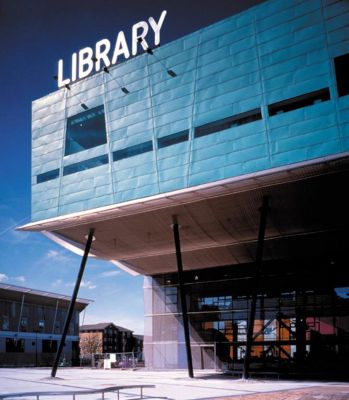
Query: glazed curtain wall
[[302, 318]]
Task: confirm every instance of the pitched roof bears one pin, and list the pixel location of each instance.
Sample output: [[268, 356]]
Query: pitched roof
[[101, 326], [43, 294], [122, 329]]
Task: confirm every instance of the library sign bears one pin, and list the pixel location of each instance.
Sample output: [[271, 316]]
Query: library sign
[[87, 60]]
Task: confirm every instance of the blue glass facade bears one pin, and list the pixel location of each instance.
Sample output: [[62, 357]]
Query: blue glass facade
[[241, 66]]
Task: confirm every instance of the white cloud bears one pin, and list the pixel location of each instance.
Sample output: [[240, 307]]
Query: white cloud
[[4, 278], [53, 257], [84, 284], [18, 236], [56, 256], [88, 285], [52, 253], [57, 282], [108, 274]]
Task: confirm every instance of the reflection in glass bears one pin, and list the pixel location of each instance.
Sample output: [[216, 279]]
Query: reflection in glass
[[85, 131]]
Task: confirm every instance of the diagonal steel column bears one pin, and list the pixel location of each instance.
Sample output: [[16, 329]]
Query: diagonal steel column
[[182, 295], [259, 257], [72, 302]]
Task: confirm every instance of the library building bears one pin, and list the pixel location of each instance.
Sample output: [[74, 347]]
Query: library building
[[217, 167]]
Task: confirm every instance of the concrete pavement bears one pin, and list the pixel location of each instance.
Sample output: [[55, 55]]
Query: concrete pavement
[[171, 385]]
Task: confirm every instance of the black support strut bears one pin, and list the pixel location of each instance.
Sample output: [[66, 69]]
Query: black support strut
[[72, 303], [259, 257], [182, 296]]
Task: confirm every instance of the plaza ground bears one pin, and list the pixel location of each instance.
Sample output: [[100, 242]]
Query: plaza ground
[[169, 385]]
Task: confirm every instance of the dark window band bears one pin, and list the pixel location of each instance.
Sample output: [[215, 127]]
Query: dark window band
[[47, 176], [226, 123], [294, 103], [86, 164], [341, 65], [133, 151], [175, 138]]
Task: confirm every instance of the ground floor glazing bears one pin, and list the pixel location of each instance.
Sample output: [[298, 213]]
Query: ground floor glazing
[[301, 325]]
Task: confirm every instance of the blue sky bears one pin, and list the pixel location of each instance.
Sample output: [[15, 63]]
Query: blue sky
[[34, 35]]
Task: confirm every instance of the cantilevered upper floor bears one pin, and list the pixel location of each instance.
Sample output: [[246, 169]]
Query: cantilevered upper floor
[[262, 89], [258, 100]]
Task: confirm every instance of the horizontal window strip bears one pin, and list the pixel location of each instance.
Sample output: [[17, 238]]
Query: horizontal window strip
[[47, 176], [133, 151], [172, 139], [229, 122], [294, 103], [86, 164]]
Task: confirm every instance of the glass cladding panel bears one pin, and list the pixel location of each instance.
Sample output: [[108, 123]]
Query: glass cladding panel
[[47, 176], [86, 164], [85, 130], [173, 139], [132, 151]]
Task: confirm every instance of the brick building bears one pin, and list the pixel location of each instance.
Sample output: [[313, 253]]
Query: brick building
[[105, 337]]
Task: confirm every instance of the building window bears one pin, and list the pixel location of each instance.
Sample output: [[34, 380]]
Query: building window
[[215, 303], [13, 309], [229, 122], [47, 176], [294, 103], [86, 164], [170, 295], [175, 138], [49, 346], [14, 345], [24, 324], [57, 327], [5, 323], [41, 324], [171, 299], [219, 326], [85, 131], [132, 151], [341, 65]]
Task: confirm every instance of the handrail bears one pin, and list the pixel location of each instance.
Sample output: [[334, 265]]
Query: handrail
[[75, 392]]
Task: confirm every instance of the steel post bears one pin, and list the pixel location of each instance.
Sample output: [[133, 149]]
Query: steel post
[[182, 296], [72, 302], [259, 257]]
